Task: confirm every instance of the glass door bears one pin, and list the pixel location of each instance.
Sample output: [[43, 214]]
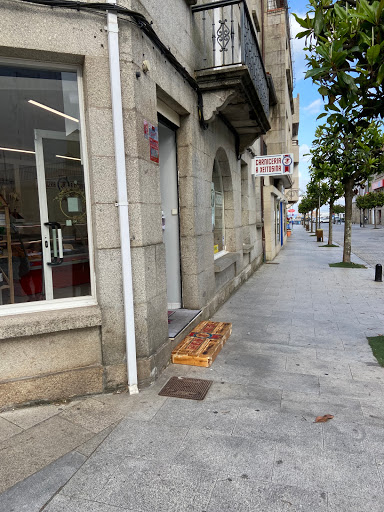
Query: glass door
[[63, 219], [44, 253]]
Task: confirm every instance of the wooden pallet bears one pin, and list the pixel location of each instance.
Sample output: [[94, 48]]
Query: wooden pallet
[[202, 345]]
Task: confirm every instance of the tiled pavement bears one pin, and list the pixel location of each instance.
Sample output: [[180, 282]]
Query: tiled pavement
[[298, 350], [367, 242]]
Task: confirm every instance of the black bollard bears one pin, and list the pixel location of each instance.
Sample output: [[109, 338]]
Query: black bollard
[[379, 273]]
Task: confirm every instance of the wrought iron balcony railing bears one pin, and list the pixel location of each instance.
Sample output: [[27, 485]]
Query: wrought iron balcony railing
[[277, 4], [229, 39]]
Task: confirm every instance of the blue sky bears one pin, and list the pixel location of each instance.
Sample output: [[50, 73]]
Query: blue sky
[[311, 103]]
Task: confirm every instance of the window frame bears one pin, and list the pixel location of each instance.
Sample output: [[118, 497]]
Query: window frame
[[224, 249], [70, 302]]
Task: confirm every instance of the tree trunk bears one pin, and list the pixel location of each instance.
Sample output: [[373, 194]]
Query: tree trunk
[[317, 218], [348, 194], [330, 230], [312, 221], [374, 216]]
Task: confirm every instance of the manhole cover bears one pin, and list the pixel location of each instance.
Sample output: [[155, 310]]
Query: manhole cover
[[183, 387]]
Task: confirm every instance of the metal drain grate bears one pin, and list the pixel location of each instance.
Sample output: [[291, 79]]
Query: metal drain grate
[[183, 387]]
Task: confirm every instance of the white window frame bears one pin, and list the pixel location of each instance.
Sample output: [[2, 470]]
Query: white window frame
[[70, 302], [224, 250]]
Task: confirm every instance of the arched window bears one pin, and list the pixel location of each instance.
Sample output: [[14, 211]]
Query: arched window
[[217, 204]]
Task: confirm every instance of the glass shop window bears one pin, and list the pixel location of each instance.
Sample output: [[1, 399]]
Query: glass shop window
[[44, 252]]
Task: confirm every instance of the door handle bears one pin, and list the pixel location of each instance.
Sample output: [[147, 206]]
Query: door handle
[[57, 240]]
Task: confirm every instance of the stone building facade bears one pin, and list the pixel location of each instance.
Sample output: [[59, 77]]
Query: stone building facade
[[376, 184], [282, 138], [88, 291]]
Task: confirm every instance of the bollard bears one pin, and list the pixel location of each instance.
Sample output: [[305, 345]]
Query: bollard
[[379, 273]]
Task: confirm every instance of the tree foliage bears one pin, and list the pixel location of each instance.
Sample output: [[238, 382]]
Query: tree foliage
[[340, 155], [307, 204], [370, 200], [338, 208], [345, 155], [345, 45]]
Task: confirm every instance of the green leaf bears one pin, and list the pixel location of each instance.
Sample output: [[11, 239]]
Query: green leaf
[[302, 22], [305, 33], [341, 13], [332, 107], [379, 11], [319, 22], [323, 90], [339, 58], [315, 71], [380, 74], [323, 50], [323, 114], [373, 53], [347, 80]]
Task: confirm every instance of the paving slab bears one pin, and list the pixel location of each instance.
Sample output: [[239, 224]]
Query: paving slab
[[298, 350], [33, 449], [64, 504], [144, 440], [311, 468], [342, 503], [228, 456], [244, 495], [8, 429], [28, 417], [34, 492], [294, 429]]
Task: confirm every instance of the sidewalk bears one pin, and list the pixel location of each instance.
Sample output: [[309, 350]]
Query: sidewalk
[[298, 350]]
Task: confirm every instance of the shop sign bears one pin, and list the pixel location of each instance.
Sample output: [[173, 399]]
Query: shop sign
[[377, 184], [274, 165]]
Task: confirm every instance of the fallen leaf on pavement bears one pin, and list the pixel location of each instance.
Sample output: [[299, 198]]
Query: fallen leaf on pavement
[[323, 419]]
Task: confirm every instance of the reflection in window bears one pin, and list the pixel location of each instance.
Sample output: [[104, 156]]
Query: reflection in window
[[43, 223], [217, 203]]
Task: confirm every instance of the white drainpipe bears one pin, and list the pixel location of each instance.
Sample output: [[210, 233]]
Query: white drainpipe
[[122, 197]]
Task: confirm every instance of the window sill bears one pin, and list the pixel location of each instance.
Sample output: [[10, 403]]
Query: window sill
[[247, 248], [225, 261], [219, 254], [43, 322]]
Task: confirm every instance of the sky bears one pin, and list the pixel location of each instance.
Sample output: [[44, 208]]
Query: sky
[[311, 103]]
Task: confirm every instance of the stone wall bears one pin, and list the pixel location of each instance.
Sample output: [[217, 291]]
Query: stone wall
[[73, 355]]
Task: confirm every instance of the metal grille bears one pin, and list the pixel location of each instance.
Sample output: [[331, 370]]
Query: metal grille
[[184, 387], [277, 4], [234, 42]]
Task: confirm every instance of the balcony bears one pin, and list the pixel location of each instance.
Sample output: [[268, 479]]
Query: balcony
[[292, 195], [231, 74]]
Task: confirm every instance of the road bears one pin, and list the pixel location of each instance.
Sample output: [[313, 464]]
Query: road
[[367, 243]]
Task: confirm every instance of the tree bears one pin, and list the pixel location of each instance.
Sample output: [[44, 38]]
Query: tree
[[370, 201], [338, 208], [318, 191], [346, 57], [306, 205], [323, 169], [347, 154]]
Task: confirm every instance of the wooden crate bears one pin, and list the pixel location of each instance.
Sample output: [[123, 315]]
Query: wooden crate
[[202, 345]]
